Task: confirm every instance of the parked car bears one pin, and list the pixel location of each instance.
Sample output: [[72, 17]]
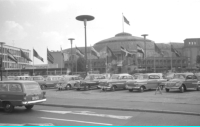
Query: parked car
[[182, 82], [90, 81], [20, 93], [10, 78], [117, 81], [68, 81], [22, 77], [37, 78], [145, 82], [49, 81]]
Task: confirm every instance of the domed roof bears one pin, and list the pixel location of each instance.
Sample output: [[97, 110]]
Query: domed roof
[[125, 40], [122, 37]]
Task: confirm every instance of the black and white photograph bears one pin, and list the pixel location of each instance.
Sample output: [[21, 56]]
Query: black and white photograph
[[99, 63]]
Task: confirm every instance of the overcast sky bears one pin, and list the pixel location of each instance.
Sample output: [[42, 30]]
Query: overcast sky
[[40, 24]]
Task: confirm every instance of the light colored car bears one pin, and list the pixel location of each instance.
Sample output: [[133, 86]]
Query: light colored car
[[182, 82], [49, 81], [145, 82], [20, 93], [117, 81], [68, 81]]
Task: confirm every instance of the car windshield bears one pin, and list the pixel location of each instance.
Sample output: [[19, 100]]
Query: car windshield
[[179, 76], [142, 77], [32, 87], [115, 77]]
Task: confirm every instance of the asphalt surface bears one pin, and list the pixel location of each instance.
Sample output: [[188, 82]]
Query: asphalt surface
[[60, 116], [174, 102]]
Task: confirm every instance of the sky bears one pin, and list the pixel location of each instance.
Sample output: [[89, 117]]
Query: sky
[[42, 24]]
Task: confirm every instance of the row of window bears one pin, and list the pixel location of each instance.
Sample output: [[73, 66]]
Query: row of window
[[13, 65], [12, 51], [19, 59]]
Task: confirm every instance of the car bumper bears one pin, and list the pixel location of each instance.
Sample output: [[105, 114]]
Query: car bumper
[[105, 87], [33, 102], [175, 87], [132, 87]]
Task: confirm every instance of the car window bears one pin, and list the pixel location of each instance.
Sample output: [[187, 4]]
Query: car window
[[15, 88], [48, 79], [3, 87], [154, 77], [179, 76], [194, 77], [189, 77], [129, 77]]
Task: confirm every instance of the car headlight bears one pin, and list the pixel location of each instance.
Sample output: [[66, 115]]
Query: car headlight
[[178, 84]]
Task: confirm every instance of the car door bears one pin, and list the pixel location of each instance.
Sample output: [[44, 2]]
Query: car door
[[152, 82], [189, 81], [194, 82]]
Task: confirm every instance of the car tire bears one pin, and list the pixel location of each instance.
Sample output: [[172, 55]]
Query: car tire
[[8, 107], [182, 89], [198, 88], [167, 90], [68, 87], [86, 87], [130, 90], [29, 107], [78, 89], [141, 89], [43, 87], [113, 88]]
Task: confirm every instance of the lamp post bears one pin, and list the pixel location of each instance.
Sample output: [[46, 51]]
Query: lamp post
[[144, 35], [85, 18], [71, 40], [1, 43]]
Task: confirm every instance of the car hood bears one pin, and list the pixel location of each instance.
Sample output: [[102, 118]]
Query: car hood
[[175, 80]]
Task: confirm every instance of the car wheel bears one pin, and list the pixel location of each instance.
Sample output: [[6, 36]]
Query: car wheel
[[113, 88], [130, 90], [198, 88], [43, 87], [8, 107], [167, 90], [141, 89], [68, 87], [29, 107], [78, 89], [86, 87], [182, 89]]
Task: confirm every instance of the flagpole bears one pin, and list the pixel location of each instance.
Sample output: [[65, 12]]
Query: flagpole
[[90, 58], [47, 63], [171, 56], [154, 63], [61, 61], [33, 64], [122, 22]]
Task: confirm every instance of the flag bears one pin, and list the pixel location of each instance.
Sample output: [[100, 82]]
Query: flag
[[79, 53], [11, 57], [127, 53], [25, 56], [140, 50], [175, 51], [94, 52], [111, 54], [158, 50], [49, 56], [126, 21], [37, 55], [66, 56]]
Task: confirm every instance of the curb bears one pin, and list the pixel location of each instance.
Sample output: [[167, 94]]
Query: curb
[[125, 109]]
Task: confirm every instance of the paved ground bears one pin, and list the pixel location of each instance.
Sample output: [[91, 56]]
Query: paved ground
[[172, 102]]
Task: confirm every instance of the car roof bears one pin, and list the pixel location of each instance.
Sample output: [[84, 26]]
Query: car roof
[[123, 74], [185, 73]]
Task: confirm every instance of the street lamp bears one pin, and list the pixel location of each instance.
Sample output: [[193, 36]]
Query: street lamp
[[85, 18], [1, 43], [144, 35], [71, 40]]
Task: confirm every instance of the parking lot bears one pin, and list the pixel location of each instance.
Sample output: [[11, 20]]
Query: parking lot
[[174, 96]]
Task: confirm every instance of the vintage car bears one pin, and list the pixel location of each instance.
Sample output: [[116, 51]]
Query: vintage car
[[182, 82], [145, 82], [22, 77], [20, 93], [49, 81], [117, 81], [68, 81], [90, 81]]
